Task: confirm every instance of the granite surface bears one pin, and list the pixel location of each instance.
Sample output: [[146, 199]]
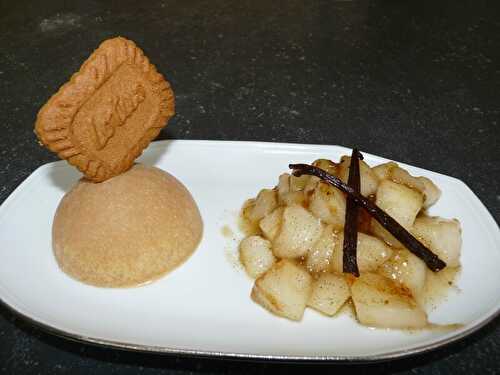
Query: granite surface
[[416, 82]]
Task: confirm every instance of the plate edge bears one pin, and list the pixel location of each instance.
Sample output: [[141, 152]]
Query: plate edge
[[397, 354]]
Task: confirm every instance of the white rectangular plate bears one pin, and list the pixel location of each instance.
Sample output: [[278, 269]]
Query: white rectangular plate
[[204, 307]]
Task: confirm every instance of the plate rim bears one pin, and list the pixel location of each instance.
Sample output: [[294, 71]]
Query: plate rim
[[460, 334], [152, 349]]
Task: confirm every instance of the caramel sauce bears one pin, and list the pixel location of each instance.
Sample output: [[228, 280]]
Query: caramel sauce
[[246, 226], [438, 286], [227, 232], [348, 309], [233, 258]]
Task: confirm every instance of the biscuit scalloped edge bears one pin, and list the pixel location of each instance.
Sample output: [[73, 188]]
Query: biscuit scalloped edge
[[53, 124]]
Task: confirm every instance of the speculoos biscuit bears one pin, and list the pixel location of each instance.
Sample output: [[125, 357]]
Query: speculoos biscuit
[[111, 109]]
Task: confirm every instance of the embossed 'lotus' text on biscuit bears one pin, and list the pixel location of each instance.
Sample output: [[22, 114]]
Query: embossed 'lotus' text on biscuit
[[108, 113], [116, 116], [113, 113]]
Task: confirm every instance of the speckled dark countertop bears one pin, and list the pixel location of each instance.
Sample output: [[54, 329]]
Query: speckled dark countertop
[[412, 81]]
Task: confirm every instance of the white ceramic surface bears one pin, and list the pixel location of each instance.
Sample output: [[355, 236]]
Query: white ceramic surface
[[204, 307]]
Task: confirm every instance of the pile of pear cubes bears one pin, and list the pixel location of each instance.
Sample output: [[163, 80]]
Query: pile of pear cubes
[[295, 251]]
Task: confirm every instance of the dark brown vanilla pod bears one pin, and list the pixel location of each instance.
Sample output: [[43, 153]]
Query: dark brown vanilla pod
[[349, 261], [392, 226]]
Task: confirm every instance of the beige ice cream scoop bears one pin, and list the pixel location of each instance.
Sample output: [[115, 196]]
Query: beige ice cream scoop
[[126, 231]]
